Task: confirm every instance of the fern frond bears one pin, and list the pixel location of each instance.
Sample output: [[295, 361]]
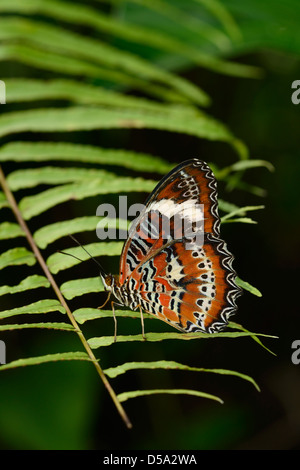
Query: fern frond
[[88, 92], [59, 63], [69, 356], [58, 261], [44, 35], [15, 256], [50, 233], [113, 372], [36, 308], [98, 342], [31, 282], [70, 152], [90, 118], [141, 393], [42, 325]]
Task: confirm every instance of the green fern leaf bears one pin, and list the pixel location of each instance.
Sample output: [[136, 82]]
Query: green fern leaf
[[10, 230], [85, 314], [69, 356], [62, 151], [77, 287], [16, 256], [31, 206], [58, 261], [31, 282], [41, 306], [113, 372], [245, 285], [50, 233], [140, 393], [98, 342], [53, 326]]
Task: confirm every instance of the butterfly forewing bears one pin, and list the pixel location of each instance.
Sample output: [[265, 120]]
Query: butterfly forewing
[[178, 196], [174, 261]]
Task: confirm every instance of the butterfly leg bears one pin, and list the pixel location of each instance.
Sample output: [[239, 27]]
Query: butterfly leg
[[115, 321], [103, 305], [142, 321]]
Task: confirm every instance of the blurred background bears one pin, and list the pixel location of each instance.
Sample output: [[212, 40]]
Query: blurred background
[[64, 405]]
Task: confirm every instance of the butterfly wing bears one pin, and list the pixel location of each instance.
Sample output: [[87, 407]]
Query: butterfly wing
[[193, 290], [189, 184], [187, 281]]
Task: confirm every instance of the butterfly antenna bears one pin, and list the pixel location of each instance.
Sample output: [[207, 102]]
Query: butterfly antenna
[[92, 257], [69, 254]]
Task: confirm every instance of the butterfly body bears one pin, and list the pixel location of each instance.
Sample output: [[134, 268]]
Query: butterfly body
[[174, 264]]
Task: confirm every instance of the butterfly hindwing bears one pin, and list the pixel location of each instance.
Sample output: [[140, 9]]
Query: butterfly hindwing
[[190, 289]]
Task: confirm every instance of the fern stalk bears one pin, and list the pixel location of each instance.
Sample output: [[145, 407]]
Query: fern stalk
[[40, 259]]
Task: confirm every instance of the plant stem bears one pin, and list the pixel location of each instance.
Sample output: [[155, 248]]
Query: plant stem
[[39, 257]]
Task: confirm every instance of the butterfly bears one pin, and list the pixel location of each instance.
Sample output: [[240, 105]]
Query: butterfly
[[174, 265]]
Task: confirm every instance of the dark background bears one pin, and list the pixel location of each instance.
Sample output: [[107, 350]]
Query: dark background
[[64, 405]]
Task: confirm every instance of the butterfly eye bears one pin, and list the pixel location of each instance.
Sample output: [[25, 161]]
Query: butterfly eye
[[108, 280]]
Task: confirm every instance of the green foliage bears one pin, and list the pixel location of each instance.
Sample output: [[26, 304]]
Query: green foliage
[[72, 356], [30, 282], [89, 92], [140, 393], [122, 369], [41, 306], [96, 343], [16, 256]]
